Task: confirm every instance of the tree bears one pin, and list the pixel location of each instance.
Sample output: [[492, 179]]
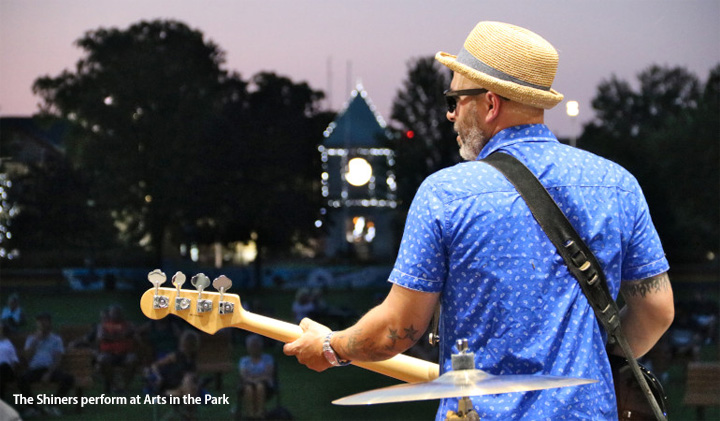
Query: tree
[[273, 192], [420, 107], [667, 134], [179, 150], [144, 98]]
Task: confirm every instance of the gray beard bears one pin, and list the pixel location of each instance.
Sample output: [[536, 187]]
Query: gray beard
[[472, 144]]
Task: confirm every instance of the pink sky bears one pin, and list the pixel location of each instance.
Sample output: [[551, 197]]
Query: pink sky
[[303, 39]]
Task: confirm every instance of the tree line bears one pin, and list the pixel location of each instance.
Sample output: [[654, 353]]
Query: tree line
[[167, 146]]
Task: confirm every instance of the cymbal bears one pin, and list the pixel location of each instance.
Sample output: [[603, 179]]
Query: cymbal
[[459, 383]]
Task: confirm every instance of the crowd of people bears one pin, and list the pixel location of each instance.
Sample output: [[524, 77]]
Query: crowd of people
[[161, 356], [158, 356]]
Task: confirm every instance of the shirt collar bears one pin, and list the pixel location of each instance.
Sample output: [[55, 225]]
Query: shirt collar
[[517, 134]]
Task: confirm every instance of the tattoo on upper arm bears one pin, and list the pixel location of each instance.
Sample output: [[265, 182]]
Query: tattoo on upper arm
[[646, 286]]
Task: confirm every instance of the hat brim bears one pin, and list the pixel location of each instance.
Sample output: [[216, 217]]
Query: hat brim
[[523, 94]]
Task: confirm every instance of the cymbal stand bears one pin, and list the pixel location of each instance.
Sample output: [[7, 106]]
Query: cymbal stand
[[463, 360]]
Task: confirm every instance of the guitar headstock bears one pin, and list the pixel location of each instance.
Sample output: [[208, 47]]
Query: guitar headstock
[[207, 311]]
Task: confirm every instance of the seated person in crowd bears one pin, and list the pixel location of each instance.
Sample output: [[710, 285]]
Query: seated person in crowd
[[8, 361], [44, 351], [257, 377], [175, 373], [12, 314], [116, 347]]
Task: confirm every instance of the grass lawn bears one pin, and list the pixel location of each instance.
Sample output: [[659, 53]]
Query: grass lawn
[[307, 395]]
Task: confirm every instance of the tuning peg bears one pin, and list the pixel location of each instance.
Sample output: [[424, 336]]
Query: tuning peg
[[178, 279], [222, 283], [200, 282], [157, 278], [180, 303]]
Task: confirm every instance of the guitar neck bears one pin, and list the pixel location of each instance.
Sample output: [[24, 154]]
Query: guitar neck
[[401, 367]]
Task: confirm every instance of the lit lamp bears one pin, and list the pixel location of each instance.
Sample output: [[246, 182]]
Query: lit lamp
[[572, 109], [359, 172]]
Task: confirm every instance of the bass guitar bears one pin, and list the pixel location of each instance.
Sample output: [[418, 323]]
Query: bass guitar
[[212, 311]]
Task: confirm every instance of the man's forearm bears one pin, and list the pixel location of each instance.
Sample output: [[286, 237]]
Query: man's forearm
[[372, 338], [388, 329]]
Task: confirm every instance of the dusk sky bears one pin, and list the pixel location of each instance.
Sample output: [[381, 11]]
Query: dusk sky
[[315, 40]]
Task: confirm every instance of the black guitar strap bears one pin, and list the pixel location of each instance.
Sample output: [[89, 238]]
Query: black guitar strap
[[580, 260]]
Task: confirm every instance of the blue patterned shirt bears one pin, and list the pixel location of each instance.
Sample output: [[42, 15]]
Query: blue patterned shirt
[[470, 236]]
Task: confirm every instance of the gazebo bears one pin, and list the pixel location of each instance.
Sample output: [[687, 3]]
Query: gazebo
[[358, 182]]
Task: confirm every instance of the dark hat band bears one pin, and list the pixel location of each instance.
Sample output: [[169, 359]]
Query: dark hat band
[[466, 58]]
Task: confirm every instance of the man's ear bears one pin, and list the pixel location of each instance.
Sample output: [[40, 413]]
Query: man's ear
[[493, 105]]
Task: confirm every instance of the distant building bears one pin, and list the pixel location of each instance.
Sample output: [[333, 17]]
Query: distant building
[[28, 141], [358, 183], [26, 144]]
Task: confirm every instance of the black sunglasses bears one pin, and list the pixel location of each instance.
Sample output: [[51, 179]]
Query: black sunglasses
[[451, 96]]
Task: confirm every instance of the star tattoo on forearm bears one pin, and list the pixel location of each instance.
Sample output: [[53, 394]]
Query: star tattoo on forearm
[[410, 333]]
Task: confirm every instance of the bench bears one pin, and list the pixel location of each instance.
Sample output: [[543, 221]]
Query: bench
[[215, 356], [702, 388]]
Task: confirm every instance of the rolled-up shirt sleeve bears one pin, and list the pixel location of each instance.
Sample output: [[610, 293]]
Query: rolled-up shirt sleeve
[[421, 263]]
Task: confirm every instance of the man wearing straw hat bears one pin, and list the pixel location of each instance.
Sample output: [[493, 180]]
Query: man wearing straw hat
[[471, 242]]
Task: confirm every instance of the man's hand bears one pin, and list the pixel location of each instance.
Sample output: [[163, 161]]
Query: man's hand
[[308, 348]]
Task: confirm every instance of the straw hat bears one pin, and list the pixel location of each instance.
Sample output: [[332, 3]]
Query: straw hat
[[510, 61]]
